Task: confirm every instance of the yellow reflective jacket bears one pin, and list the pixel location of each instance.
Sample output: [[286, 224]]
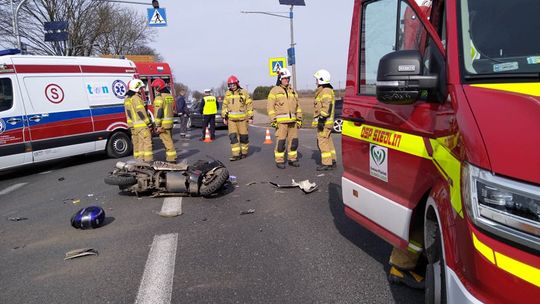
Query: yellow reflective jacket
[[237, 105], [210, 105], [283, 106], [324, 105], [163, 110], [136, 115]]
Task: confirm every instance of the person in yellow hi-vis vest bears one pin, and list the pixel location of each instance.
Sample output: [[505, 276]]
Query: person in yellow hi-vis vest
[[237, 113], [208, 108], [323, 119], [163, 117], [286, 116], [138, 121]]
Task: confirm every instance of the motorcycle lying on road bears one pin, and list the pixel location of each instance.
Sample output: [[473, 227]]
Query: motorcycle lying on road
[[165, 179]]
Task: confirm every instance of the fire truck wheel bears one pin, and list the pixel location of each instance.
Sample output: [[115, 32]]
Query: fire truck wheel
[[119, 145], [215, 182], [120, 180], [435, 271]]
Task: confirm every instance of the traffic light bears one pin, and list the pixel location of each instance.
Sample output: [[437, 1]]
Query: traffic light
[[155, 3]]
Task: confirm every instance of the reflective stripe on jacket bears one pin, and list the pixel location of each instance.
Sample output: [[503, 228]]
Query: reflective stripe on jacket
[[136, 112], [210, 105], [237, 105], [163, 110], [283, 105], [324, 105]]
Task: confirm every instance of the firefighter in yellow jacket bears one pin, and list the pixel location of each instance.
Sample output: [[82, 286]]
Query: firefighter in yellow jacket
[[163, 117], [286, 116], [323, 119], [138, 121], [237, 112]]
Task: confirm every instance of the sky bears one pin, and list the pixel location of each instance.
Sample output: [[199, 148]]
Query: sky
[[206, 41]]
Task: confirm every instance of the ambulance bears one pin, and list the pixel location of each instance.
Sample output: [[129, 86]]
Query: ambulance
[[441, 141], [54, 107]]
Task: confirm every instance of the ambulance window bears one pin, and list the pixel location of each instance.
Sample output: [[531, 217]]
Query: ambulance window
[[6, 94]]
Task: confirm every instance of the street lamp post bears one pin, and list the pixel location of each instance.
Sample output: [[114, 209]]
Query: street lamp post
[[16, 22], [290, 17]]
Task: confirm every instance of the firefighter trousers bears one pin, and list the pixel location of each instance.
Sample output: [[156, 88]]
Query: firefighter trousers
[[287, 140], [238, 134], [166, 138], [326, 146], [142, 144]]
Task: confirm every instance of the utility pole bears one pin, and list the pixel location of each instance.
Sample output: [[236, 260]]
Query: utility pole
[[16, 22]]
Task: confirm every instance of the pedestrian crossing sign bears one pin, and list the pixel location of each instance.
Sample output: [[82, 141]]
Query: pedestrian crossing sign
[[276, 64], [157, 17]]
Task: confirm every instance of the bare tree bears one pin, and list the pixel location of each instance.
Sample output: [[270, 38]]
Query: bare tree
[[95, 27]]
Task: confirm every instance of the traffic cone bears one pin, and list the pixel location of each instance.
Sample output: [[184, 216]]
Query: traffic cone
[[207, 138], [267, 138]]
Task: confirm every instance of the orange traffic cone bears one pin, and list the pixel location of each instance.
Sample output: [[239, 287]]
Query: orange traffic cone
[[207, 138], [267, 138]]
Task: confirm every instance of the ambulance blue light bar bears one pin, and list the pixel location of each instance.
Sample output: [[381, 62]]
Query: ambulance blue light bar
[[10, 52], [293, 2]]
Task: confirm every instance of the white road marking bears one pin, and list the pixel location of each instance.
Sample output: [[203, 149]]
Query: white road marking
[[157, 281], [46, 172], [172, 206], [12, 188], [185, 145]]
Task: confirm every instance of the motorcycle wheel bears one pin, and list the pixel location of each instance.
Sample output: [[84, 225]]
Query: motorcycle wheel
[[120, 180], [221, 176]]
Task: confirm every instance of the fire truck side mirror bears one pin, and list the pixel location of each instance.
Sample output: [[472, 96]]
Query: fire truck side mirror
[[400, 78]]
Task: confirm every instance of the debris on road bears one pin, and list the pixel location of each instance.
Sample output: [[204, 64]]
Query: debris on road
[[17, 219], [232, 179], [77, 253], [305, 185], [320, 175], [250, 211], [61, 179], [251, 183]]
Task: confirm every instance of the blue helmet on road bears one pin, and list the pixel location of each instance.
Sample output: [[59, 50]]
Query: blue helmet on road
[[89, 217]]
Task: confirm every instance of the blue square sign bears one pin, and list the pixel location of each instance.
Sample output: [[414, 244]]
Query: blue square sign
[[157, 17]]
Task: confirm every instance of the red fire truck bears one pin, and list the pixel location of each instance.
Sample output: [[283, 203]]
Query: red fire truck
[[148, 72], [441, 139]]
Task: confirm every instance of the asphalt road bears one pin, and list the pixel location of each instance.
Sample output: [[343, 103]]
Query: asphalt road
[[295, 247]]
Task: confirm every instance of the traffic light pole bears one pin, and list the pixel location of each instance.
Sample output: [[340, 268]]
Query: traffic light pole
[[293, 66]]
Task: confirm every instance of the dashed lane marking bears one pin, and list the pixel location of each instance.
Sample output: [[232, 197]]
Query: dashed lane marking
[[12, 188], [172, 206], [157, 280]]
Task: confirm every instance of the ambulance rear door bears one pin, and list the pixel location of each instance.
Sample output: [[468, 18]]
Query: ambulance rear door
[[14, 137]]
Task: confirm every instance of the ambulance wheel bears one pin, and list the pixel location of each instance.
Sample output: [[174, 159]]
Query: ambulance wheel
[[435, 270], [120, 180], [119, 145], [212, 183]]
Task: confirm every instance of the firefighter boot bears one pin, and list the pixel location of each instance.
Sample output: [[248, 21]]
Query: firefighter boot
[[325, 168], [406, 277], [280, 165], [235, 158]]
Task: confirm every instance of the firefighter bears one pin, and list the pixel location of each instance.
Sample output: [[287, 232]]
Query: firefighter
[[138, 121], [237, 113], [323, 119], [208, 108], [286, 116], [163, 117]]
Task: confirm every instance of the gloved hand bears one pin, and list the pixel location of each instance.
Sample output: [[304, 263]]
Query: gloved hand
[[298, 123], [320, 123], [273, 124]]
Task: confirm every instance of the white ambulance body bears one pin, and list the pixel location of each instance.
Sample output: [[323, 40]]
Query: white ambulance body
[[53, 107]]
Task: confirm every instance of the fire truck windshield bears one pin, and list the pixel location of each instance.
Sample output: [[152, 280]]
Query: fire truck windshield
[[500, 38]]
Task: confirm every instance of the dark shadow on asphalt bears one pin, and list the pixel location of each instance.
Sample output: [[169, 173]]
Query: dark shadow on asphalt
[[51, 165], [186, 155], [369, 243], [253, 150], [108, 220]]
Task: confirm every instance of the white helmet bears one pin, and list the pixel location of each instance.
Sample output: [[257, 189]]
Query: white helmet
[[207, 91], [285, 73], [322, 76], [135, 85]]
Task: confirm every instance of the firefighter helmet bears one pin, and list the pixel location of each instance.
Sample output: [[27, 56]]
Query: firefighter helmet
[[285, 73], [89, 217], [322, 76], [232, 79], [159, 84], [135, 85]]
